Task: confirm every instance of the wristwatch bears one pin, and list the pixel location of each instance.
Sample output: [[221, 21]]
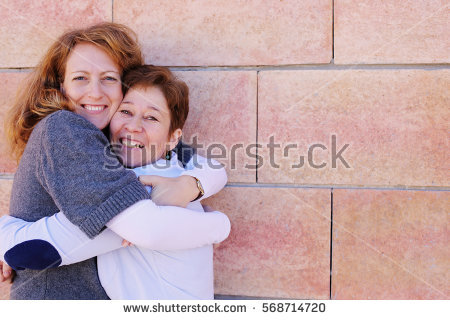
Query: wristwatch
[[201, 192]]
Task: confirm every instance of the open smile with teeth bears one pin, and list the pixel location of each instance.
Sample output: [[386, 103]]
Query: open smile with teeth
[[91, 107], [131, 143]]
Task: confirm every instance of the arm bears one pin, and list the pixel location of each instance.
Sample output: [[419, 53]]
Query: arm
[[169, 228], [49, 242], [83, 178], [54, 241], [211, 174], [181, 190]]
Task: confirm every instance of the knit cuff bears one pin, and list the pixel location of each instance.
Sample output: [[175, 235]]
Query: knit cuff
[[115, 204]]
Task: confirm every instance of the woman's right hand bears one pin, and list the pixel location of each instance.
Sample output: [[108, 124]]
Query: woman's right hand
[[6, 272]]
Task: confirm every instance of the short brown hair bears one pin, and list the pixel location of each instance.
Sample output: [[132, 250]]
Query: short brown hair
[[175, 91], [41, 96]]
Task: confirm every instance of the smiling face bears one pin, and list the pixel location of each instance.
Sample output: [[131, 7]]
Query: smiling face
[[92, 84], [140, 129]]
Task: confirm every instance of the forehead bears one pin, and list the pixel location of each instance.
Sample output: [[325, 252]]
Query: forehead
[[147, 99], [89, 57]]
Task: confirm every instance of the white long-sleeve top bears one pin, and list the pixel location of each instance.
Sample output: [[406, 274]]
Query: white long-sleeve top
[[171, 258]]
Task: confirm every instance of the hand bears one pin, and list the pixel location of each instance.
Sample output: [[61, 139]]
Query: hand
[[126, 243], [171, 191], [6, 272]]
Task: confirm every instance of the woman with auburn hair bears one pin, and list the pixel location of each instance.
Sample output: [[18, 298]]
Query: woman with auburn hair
[[42, 96], [55, 130]]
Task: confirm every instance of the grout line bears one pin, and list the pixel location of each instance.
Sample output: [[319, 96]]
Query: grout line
[[257, 113], [299, 67], [112, 10], [331, 242], [325, 66], [332, 31], [10, 176], [311, 186]]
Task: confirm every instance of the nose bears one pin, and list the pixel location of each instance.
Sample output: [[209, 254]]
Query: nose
[[95, 90], [134, 124]]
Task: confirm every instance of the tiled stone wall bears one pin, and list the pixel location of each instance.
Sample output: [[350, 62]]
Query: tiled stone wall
[[301, 78]]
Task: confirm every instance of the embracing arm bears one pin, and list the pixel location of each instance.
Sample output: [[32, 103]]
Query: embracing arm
[[169, 228], [180, 191], [80, 173], [209, 172], [55, 241]]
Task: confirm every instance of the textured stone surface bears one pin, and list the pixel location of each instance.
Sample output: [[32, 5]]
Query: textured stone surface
[[9, 82], [223, 111], [279, 244], [5, 192], [395, 122], [391, 31], [390, 245], [27, 28], [255, 32]]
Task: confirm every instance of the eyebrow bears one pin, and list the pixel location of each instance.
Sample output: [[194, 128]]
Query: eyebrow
[[148, 106], [83, 71]]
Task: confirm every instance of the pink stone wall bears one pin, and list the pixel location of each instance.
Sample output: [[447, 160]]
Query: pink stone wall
[[349, 102]]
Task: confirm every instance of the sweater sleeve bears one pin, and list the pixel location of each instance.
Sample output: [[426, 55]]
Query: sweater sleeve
[[85, 179], [54, 241], [209, 172], [50, 242]]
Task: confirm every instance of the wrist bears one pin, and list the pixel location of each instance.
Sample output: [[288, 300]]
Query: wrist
[[190, 184]]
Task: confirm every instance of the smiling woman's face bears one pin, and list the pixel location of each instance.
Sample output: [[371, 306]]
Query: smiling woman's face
[[92, 84], [140, 128]]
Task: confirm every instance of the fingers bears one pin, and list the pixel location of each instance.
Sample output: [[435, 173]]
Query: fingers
[[148, 180], [6, 272], [126, 243]]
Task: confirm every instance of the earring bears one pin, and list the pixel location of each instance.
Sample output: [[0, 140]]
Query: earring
[[167, 155]]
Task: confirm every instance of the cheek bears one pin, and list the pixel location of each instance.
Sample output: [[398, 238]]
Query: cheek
[[114, 128], [116, 94]]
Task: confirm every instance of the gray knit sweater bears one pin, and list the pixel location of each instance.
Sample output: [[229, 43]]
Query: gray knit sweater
[[65, 167]]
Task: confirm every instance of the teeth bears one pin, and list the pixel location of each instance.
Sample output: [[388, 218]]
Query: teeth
[[93, 108], [131, 143]]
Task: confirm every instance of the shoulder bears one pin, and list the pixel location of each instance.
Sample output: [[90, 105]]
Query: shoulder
[[63, 127], [66, 119]]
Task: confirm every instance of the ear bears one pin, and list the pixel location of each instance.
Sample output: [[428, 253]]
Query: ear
[[61, 88], [174, 138]]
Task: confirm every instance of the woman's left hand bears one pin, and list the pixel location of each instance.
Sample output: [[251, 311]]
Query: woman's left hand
[[177, 191], [6, 272]]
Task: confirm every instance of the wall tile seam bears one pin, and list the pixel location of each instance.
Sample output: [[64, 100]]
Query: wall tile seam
[[112, 10], [332, 32], [329, 187], [329, 66], [300, 67], [7, 176], [239, 297], [15, 70]]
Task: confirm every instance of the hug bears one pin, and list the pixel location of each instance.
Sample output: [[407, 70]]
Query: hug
[[70, 217]]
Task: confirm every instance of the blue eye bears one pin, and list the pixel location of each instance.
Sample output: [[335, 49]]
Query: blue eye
[[109, 78], [80, 78], [152, 118]]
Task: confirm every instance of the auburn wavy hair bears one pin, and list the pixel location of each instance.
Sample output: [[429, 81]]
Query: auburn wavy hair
[[41, 95]]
